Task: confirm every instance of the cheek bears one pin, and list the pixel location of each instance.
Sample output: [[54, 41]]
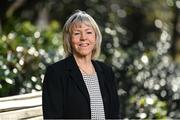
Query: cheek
[[74, 41], [93, 38]]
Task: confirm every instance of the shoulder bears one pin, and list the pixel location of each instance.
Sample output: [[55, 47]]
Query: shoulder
[[105, 69], [58, 66], [104, 66]]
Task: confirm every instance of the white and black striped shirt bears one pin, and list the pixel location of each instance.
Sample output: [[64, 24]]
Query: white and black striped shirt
[[96, 102]]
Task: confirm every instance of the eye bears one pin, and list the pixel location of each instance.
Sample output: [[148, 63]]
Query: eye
[[89, 32], [76, 33]]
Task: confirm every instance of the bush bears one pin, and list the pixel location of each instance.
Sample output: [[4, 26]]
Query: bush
[[25, 52]]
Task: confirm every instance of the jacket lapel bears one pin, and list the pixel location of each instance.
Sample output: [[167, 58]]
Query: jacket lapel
[[77, 76], [103, 85]]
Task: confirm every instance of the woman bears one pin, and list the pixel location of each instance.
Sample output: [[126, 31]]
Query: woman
[[79, 86]]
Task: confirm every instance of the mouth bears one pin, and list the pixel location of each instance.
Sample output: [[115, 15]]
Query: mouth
[[84, 44]]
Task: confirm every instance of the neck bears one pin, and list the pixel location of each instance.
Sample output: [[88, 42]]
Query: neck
[[85, 65], [83, 61]]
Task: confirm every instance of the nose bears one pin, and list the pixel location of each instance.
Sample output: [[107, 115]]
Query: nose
[[83, 36]]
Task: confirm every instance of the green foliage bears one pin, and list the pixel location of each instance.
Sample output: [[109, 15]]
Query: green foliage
[[147, 107], [25, 52], [137, 37]]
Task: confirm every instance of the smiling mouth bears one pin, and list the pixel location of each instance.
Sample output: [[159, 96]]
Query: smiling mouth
[[84, 44]]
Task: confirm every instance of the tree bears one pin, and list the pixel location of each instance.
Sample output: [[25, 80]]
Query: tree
[[140, 41]]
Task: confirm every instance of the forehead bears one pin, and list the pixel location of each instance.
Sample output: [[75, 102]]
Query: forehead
[[81, 25]]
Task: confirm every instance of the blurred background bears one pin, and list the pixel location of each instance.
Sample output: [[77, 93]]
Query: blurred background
[[141, 40]]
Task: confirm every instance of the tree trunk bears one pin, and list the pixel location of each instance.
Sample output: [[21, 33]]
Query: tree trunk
[[175, 34]]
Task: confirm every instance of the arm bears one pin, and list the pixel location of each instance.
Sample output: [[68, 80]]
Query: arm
[[52, 100]]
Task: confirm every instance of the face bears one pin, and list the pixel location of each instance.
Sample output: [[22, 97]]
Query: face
[[83, 40]]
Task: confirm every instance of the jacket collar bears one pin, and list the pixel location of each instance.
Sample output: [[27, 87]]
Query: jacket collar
[[76, 75], [72, 65]]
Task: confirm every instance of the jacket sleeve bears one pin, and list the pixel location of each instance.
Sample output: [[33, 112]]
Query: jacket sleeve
[[52, 98]]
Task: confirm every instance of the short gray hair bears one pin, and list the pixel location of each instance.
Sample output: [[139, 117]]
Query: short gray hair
[[80, 17]]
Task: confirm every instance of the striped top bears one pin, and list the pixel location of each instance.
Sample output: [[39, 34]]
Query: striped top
[[96, 102]]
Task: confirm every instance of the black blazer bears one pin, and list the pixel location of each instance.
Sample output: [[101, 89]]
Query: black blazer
[[65, 94]]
